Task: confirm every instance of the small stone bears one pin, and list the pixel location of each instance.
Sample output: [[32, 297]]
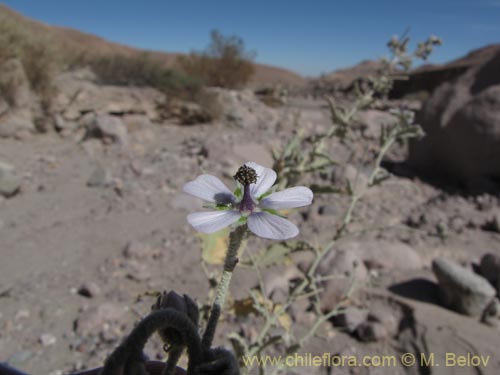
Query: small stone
[[461, 289], [384, 315], [329, 210], [100, 177], [107, 127], [350, 319], [137, 250], [89, 290], [9, 181], [457, 224], [371, 332], [137, 271], [22, 314], [47, 339]]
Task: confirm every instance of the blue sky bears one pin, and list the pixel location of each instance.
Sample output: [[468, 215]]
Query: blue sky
[[310, 37]]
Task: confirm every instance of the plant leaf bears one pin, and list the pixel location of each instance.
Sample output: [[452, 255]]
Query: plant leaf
[[214, 246]]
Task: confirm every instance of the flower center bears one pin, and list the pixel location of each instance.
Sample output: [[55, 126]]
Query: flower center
[[246, 176]]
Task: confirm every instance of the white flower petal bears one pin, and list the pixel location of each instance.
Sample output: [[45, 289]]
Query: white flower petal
[[265, 179], [209, 188], [274, 227], [298, 196], [213, 221]]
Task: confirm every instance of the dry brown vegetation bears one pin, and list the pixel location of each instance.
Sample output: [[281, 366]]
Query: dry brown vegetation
[[225, 63], [34, 51]]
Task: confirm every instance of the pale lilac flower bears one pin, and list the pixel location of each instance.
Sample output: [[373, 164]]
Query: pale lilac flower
[[254, 202]]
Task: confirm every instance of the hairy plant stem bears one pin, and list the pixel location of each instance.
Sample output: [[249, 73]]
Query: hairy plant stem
[[235, 239]]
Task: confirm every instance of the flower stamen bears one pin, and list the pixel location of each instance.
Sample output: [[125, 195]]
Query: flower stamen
[[246, 175]]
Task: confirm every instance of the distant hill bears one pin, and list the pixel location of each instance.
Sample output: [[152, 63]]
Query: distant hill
[[423, 79], [67, 39], [343, 78], [428, 77]]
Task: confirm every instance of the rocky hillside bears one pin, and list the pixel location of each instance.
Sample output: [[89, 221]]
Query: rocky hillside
[[67, 39], [428, 77]]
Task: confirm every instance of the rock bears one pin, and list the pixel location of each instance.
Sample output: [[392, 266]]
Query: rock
[[100, 177], [489, 267], [384, 255], [343, 263], [134, 122], [107, 128], [89, 289], [495, 223], [137, 250], [9, 182], [137, 271], [16, 122], [187, 113], [63, 126], [345, 80], [350, 318], [425, 79], [491, 314], [194, 147], [457, 224], [330, 209], [348, 269], [78, 93], [47, 339], [272, 96], [22, 314], [462, 125], [385, 316], [371, 332], [245, 110], [461, 289]]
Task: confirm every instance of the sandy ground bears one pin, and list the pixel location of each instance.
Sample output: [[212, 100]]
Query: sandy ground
[[59, 234]]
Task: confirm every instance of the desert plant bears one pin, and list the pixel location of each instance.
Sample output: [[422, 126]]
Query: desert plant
[[35, 53], [224, 63], [307, 155], [143, 70]]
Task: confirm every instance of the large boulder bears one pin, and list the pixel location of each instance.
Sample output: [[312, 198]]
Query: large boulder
[[462, 124], [461, 289], [110, 129], [78, 93], [244, 109]]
